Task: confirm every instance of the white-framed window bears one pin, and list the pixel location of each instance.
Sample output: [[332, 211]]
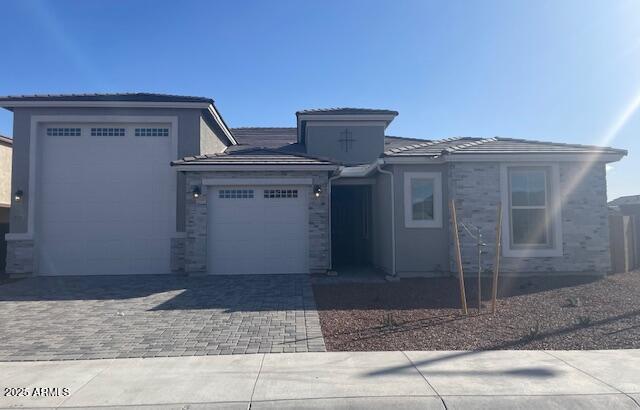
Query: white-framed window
[[531, 210], [423, 199]]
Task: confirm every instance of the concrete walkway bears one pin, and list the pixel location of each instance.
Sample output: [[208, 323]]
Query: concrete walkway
[[372, 380]]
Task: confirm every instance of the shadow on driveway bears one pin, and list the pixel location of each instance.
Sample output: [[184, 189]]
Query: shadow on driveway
[[229, 292]]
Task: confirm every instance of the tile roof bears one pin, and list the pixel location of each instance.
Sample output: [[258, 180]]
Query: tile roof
[[253, 156], [284, 138], [495, 145], [281, 137], [273, 137], [347, 110], [626, 200], [129, 97]]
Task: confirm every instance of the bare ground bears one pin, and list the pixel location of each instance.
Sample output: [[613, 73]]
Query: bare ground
[[532, 313]]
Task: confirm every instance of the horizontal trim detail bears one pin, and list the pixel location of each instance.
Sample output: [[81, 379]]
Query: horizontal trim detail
[[256, 181], [257, 167]]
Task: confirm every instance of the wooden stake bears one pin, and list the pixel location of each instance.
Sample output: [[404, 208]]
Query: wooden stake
[[479, 270], [496, 265], [456, 238]]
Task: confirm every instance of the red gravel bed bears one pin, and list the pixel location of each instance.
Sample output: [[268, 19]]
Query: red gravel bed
[[532, 313]]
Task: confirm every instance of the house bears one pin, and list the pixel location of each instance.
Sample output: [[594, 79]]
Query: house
[[5, 194], [152, 183], [627, 205], [624, 228]]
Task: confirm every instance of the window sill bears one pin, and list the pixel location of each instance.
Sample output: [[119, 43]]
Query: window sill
[[423, 224], [531, 253]]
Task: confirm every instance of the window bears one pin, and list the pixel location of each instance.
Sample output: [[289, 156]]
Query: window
[[423, 200], [532, 225], [528, 191], [235, 193], [280, 193], [152, 132], [63, 132], [107, 132]]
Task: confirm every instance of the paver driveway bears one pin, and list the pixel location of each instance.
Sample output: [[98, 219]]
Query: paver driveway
[[58, 318]]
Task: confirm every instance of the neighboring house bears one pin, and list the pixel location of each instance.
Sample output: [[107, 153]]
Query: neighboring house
[[150, 183], [5, 194], [624, 230], [627, 205]]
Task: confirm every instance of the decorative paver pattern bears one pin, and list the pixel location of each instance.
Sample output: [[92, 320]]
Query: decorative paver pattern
[[64, 318]]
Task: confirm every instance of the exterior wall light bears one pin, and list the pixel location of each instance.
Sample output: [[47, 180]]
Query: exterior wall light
[[317, 190], [196, 192], [18, 195]]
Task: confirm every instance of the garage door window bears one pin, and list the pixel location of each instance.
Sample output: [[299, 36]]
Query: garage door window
[[152, 132], [235, 194], [107, 132], [63, 132], [280, 193]]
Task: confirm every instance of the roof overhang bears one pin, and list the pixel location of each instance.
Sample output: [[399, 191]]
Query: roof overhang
[[6, 141], [209, 107], [512, 157], [213, 111], [17, 103], [254, 167]]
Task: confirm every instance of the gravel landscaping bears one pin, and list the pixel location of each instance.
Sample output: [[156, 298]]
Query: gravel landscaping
[[532, 313]]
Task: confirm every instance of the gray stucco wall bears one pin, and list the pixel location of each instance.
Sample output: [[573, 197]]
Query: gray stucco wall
[[194, 249], [475, 187], [190, 141], [381, 225], [324, 141], [211, 138], [420, 251]]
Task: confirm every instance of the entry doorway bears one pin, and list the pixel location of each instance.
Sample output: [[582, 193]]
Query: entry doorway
[[351, 230]]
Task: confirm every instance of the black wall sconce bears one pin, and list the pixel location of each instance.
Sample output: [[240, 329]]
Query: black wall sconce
[[196, 192], [18, 195], [317, 190]]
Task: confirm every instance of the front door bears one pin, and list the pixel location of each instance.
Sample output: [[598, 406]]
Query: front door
[[351, 225]]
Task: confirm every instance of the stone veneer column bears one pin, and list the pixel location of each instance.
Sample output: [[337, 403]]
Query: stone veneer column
[[19, 256]]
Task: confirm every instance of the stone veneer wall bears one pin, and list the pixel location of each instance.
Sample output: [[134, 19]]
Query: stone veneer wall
[[19, 256], [177, 254], [585, 224], [195, 241]]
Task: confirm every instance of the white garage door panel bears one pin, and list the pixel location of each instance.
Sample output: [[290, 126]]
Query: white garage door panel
[[104, 204], [258, 235]]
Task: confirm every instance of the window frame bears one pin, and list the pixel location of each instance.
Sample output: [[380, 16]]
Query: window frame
[[436, 222], [553, 205]]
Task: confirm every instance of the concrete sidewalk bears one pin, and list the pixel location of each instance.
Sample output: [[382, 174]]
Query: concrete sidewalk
[[402, 380]]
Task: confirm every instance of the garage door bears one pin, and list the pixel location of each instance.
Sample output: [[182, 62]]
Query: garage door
[[255, 230], [105, 195]]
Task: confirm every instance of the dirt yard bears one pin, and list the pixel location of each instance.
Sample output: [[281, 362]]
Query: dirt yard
[[532, 313]]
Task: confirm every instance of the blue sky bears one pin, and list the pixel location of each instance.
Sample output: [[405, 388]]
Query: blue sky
[[559, 70]]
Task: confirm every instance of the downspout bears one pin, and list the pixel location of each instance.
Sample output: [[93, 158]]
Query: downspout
[[393, 220], [331, 179]]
